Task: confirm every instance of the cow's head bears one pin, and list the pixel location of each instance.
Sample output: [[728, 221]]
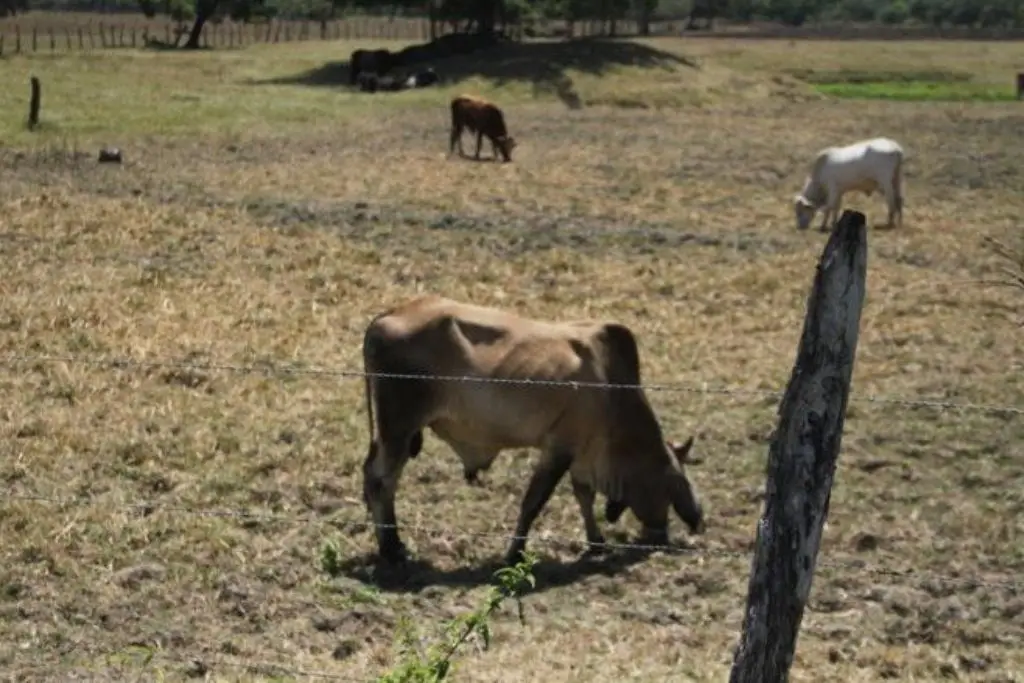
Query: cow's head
[[506, 144], [804, 210], [663, 488]]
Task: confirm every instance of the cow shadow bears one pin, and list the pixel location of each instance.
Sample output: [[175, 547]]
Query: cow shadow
[[544, 64], [417, 574]]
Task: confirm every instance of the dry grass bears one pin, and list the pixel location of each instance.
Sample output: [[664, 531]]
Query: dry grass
[[266, 224]]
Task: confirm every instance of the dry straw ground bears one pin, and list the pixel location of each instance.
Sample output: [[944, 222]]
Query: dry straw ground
[[264, 221]]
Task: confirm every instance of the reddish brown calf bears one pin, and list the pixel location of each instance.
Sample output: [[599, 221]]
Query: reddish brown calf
[[483, 118]]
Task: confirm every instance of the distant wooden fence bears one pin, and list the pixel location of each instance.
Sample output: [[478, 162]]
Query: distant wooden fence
[[18, 38], [15, 39], [134, 31]]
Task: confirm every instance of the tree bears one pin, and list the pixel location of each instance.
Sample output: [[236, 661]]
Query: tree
[[202, 11], [12, 7]]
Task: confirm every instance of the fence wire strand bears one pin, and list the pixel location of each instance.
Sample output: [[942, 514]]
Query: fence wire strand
[[273, 369], [546, 539]]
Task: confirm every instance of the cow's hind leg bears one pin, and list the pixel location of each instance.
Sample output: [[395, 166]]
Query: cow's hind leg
[[896, 204], [400, 415], [585, 497], [546, 475], [479, 143]]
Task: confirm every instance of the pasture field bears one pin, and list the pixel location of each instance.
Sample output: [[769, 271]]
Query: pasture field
[[166, 518]]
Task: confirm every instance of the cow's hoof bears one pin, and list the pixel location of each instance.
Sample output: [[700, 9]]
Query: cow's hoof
[[514, 556], [653, 538], [394, 554]]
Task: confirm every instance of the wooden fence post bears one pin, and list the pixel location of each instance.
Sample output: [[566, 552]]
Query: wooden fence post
[[1020, 85], [34, 102], [802, 459]]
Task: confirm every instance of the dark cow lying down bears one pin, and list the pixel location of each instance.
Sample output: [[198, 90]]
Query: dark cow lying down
[[377, 62], [371, 83], [607, 439], [422, 79], [483, 118]]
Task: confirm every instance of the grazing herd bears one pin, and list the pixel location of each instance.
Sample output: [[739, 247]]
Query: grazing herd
[[608, 440], [485, 380]]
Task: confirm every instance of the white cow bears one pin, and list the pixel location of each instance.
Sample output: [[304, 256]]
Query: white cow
[[864, 166]]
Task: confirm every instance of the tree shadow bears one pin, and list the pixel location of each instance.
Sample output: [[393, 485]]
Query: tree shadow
[[417, 574], [544, 64]]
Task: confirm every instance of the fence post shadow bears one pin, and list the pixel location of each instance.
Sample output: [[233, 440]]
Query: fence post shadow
[[802, 459]]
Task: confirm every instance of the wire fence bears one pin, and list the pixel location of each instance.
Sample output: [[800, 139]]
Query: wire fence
[[268, 368]]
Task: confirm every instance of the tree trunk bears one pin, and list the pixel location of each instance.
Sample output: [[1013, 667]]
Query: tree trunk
[[204, 10], [802, 460], [486, 11], [645, 18]]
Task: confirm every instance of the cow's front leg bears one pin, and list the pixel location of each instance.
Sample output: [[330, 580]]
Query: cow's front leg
[[479, 144], [585, 497], [546, 475], [892, 205], [831, 215]]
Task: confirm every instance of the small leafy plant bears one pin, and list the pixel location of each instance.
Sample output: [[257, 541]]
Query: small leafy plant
[[435, 664]]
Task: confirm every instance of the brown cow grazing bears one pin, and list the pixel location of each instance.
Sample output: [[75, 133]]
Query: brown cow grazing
[[483, 118], [525, 392]]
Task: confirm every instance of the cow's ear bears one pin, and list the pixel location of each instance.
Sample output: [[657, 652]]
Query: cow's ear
[[682, 451]]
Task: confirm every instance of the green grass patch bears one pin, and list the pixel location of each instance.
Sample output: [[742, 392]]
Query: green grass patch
[[918, 91], [909, 86], [862, 76]]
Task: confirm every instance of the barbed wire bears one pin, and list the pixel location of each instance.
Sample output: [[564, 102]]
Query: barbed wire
[[148, 508], [200, 662], [203, 661], [271, 368]]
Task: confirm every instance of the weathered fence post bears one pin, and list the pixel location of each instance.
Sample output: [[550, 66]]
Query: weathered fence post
[[34, 102], [802, 459], [1020, 85]]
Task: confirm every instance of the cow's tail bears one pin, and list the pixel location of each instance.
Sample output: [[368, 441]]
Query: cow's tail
[[369, 368], [367, 381]]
